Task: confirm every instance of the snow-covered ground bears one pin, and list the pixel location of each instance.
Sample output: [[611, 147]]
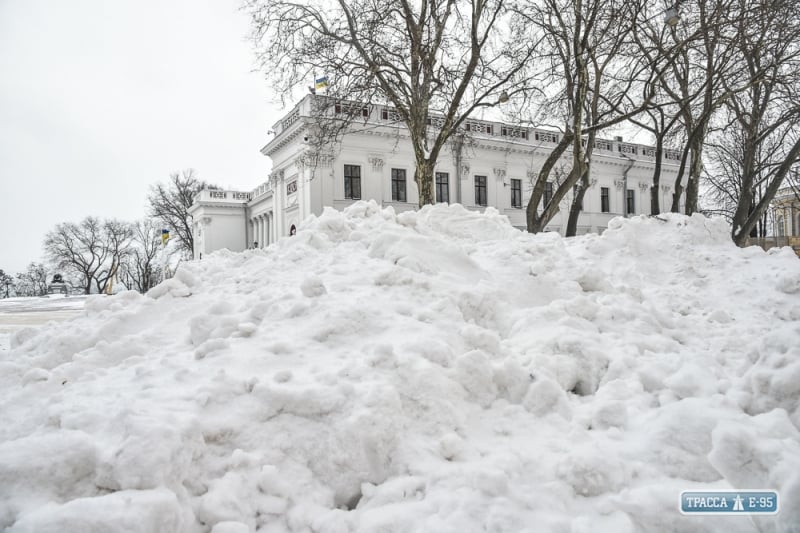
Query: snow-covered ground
[[435, 371], [19, 313]]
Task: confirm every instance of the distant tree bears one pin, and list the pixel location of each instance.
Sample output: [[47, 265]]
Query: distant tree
[[435, 62], [140, 269], [170, 202], [6, 283], [92, 250], [32, 282]]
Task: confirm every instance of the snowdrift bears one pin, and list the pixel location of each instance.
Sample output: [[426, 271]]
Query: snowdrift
[[434, 371]]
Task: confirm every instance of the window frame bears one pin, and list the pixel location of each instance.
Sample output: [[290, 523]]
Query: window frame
[[605, 200], [350, 179], [439, 186], [630, 202], [396, 180], [479, 188], [516, 187]]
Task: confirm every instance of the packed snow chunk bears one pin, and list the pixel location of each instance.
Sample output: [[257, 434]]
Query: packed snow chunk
[[693, 380], [149, 511], [313, 287], [545, 397], [171, 287], [474, 373], [426, 255], [456, 221], [230, 527], [789, 283], [451, 446], [35, 374], [677, 438], [611, 414], [231, 498], [512, 380], [765, 455], [49, 466], [591, 471], [152, 454]]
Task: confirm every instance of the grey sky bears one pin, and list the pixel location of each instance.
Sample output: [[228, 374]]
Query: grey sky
[[101, 98]]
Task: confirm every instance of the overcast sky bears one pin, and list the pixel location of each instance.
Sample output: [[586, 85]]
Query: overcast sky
[[99, 99]]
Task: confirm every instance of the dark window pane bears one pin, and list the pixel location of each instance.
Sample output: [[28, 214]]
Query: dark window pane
[[442, 187], [352, 182], [398, 185], [480, 190], [516, 193]]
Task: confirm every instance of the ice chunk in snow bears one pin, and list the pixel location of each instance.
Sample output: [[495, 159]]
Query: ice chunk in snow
[[131, 511]]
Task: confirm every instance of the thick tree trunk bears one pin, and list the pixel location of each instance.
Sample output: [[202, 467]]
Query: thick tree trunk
[[577, 204], [655, 204], [535, 222], [423, 176]]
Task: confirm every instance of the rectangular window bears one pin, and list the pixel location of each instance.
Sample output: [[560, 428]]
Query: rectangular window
[[516, 193], [630, 205], [548, 192], [480, 190], [352, 182], [398, 185], [604, 201], [443, 187]]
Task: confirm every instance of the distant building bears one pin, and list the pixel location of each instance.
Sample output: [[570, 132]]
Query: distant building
[[373, 160], [786, 222]]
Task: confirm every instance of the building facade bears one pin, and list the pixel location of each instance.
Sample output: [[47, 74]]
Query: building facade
[[492, 164], [785, 222]]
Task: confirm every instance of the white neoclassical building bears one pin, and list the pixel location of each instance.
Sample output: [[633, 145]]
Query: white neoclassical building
[[373, 160]]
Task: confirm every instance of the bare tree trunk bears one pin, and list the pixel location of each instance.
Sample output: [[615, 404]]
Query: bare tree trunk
[[655, 206], [535, 222], [577, 204], [423, 176]]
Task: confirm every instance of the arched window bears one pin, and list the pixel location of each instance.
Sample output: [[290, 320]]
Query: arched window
[[293, 230]]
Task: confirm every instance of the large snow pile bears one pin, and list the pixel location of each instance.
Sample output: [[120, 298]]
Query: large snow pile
[[434, 371]]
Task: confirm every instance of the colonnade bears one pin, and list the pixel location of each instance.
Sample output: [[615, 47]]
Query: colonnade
[[262, 229]]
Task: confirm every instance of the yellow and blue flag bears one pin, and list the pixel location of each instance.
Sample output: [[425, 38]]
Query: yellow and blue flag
[[320, 83], [164, 236]]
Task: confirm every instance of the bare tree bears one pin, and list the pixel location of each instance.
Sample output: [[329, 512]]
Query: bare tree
[[92, 250], [766, 115], [140, 270], [33, 280], [170, 202], [435, 61], [590, 67]]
